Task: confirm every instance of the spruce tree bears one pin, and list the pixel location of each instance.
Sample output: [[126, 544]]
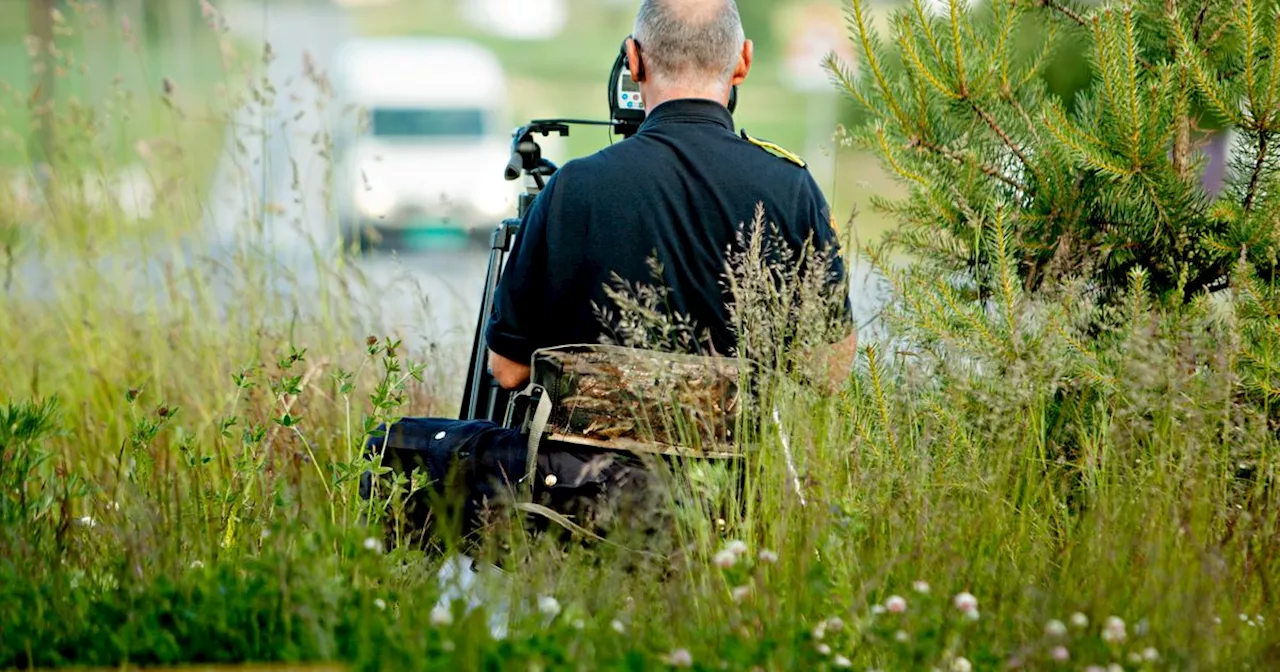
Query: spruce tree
[[1101, 187]]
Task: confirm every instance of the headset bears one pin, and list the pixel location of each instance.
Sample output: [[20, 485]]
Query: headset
[[626, 105]]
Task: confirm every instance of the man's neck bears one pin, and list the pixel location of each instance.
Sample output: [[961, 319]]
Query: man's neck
[[665, 94]]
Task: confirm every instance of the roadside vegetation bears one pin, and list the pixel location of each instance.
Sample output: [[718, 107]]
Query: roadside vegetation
[[1060, 454]]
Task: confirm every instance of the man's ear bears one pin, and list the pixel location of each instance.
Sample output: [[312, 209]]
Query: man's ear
[[744, 62], [633, 60]]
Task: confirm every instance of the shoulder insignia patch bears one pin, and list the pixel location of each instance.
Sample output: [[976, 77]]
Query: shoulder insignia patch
[[769, 146]]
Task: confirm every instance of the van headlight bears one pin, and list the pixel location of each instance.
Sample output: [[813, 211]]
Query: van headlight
[[492, 199], [374, 200]]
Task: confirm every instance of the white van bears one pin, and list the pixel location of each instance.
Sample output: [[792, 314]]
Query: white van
[[435, 138]]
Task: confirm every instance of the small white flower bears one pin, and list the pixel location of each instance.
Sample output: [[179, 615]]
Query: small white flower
[[1060, 654], [265, 534], [841, 661], [578, 624], [372, 544], [1113, 631], [548, 605], [380, 603], [1150, 654], [740, 593], [820, 630], [1055, 628], [961, 664], [966, 602], [834, 624], [824, 649], [1217, 620], [895, 604], [902, 636], [88, 521], [1079, 621], [877, 609], [113, 506], [737, 547], [1135, 657], [972, 615], [920, 587], [768, 556], [617, 626], [724, 559], [441, 615], [197, 564], [1244, 617], [680, 658]]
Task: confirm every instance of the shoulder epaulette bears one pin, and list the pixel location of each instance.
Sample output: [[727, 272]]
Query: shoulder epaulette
[[766, 145]]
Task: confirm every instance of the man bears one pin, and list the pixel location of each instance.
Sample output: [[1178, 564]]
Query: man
[[680, 189]]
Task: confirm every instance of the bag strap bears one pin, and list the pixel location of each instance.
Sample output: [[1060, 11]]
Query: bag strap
[[537, 426]]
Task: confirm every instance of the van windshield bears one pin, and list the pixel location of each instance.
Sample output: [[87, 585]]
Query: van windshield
[[406, 122]]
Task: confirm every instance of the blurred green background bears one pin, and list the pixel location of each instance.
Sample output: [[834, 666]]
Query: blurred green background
[[561, 75]]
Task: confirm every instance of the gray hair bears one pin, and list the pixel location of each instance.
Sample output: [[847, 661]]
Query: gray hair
[[689, 41]]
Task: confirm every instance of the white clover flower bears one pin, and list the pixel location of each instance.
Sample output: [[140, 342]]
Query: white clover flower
[[834, 624], [877, 609], [197, 564], [972, 615], [902, 636], [1060, 654], [265, 534], [724, 559], [895, 604], [1079, 621], [1150, 654], [548, 606], [966, 602], [824, 649], [737, 547], [617, 626], [1113, 631], [372, 544], [441, 615], [819, 630], [578, 624], [88, 521], [380, 603], [961, 664], [920, 587], [841, 661], [1055, 628], [740, 593], [680, 658], [768, 556]]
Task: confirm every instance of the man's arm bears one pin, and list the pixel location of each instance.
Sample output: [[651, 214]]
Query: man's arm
[[519, 303]]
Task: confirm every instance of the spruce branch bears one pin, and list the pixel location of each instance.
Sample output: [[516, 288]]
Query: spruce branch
[[918, 7], [961, 159], [905, 41], [858, 17], [1066, 11], [1004, 137], [1256, 177]]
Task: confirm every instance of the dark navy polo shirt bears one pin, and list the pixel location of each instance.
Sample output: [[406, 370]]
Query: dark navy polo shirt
[[680, 190]]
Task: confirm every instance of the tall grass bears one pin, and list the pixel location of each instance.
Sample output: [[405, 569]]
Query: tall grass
[[1027, 483]]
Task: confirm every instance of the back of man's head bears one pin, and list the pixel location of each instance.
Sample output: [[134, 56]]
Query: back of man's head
[[689, 42]]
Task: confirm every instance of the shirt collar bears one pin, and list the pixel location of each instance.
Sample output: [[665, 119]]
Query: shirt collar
[[684, 110]]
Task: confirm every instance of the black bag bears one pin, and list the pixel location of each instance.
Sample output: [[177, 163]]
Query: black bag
[[472, 466]]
